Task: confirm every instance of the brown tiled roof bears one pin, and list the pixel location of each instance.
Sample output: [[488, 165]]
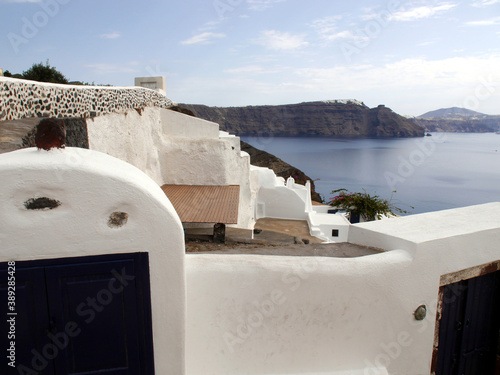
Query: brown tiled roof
[[205, 204]]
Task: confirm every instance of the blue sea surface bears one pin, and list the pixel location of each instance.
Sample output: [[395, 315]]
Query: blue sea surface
[[445, 170]]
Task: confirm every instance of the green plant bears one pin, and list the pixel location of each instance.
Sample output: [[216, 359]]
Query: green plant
[[44, 73], [9, 74], [369, 207]]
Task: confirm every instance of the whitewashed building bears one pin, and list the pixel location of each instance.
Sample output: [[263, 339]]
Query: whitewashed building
[[101, 270]]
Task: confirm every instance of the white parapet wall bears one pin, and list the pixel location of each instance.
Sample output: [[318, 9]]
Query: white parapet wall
[[91, 188], [278, 199], [250, 314]]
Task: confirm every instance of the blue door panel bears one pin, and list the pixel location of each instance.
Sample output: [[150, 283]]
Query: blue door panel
[[105, 311], [80, 316], [31, 321], [469, 327]]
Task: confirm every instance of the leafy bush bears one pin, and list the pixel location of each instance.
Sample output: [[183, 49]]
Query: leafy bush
[[369, 207], [9, 74], [44, 73]]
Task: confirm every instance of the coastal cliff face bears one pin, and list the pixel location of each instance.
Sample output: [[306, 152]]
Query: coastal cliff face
[[459, 120], [329, 119], [458, 126]]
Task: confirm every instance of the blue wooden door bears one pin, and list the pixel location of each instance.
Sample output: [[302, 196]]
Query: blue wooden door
[[469, 327], [26, 336], [82, 316]]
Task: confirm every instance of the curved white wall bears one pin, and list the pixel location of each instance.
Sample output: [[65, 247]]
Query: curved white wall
[[292, 315], [91, 186]]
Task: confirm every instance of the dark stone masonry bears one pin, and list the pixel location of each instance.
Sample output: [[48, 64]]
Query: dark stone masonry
[[24, 99]]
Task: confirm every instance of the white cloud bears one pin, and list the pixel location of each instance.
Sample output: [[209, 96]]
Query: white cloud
[[113, 35], [246, 69], [262, 4], [421, 12], [408, 86], [211, 25], [255, 70], [407, 74], [488, 22], [328, 31], [326, 26], [482, 3], [203, 38], [277, 40], [107, 68]]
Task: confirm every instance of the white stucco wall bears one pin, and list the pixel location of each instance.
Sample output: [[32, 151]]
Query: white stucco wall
[[251, 314], [280, 199], [135, 138], [90, 186], [276, 198], [173, 148], [179, 125], [322, 225]]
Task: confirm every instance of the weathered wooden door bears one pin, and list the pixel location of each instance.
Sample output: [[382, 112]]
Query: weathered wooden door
[[80, 316], [469, 327]]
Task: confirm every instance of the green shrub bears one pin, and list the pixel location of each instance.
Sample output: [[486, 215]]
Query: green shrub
[[369, 207]]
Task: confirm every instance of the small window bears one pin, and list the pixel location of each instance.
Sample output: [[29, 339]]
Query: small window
[[335, 232]]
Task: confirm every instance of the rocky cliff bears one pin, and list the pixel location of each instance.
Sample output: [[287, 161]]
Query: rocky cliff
[[457, 119], [330, 119], [458, 126]]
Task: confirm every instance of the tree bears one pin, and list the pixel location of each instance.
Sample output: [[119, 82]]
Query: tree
[[9, 74], [369, 207], [44, 73]]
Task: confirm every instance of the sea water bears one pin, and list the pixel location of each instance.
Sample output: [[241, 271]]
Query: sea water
[[442, 171]]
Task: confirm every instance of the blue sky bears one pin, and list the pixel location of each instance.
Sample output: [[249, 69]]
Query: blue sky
[[412, 56]]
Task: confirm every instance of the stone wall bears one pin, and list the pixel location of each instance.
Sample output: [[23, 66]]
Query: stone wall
[[25, 99]]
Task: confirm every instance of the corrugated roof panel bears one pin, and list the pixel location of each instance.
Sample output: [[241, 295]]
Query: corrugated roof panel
[[205, 204]]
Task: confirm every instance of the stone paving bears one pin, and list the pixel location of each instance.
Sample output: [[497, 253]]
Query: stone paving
[[278, 237]]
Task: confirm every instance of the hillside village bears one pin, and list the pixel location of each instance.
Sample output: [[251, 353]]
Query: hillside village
[[135, 176]]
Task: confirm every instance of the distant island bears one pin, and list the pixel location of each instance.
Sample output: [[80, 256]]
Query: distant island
[[457, 119], [333, 118]]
